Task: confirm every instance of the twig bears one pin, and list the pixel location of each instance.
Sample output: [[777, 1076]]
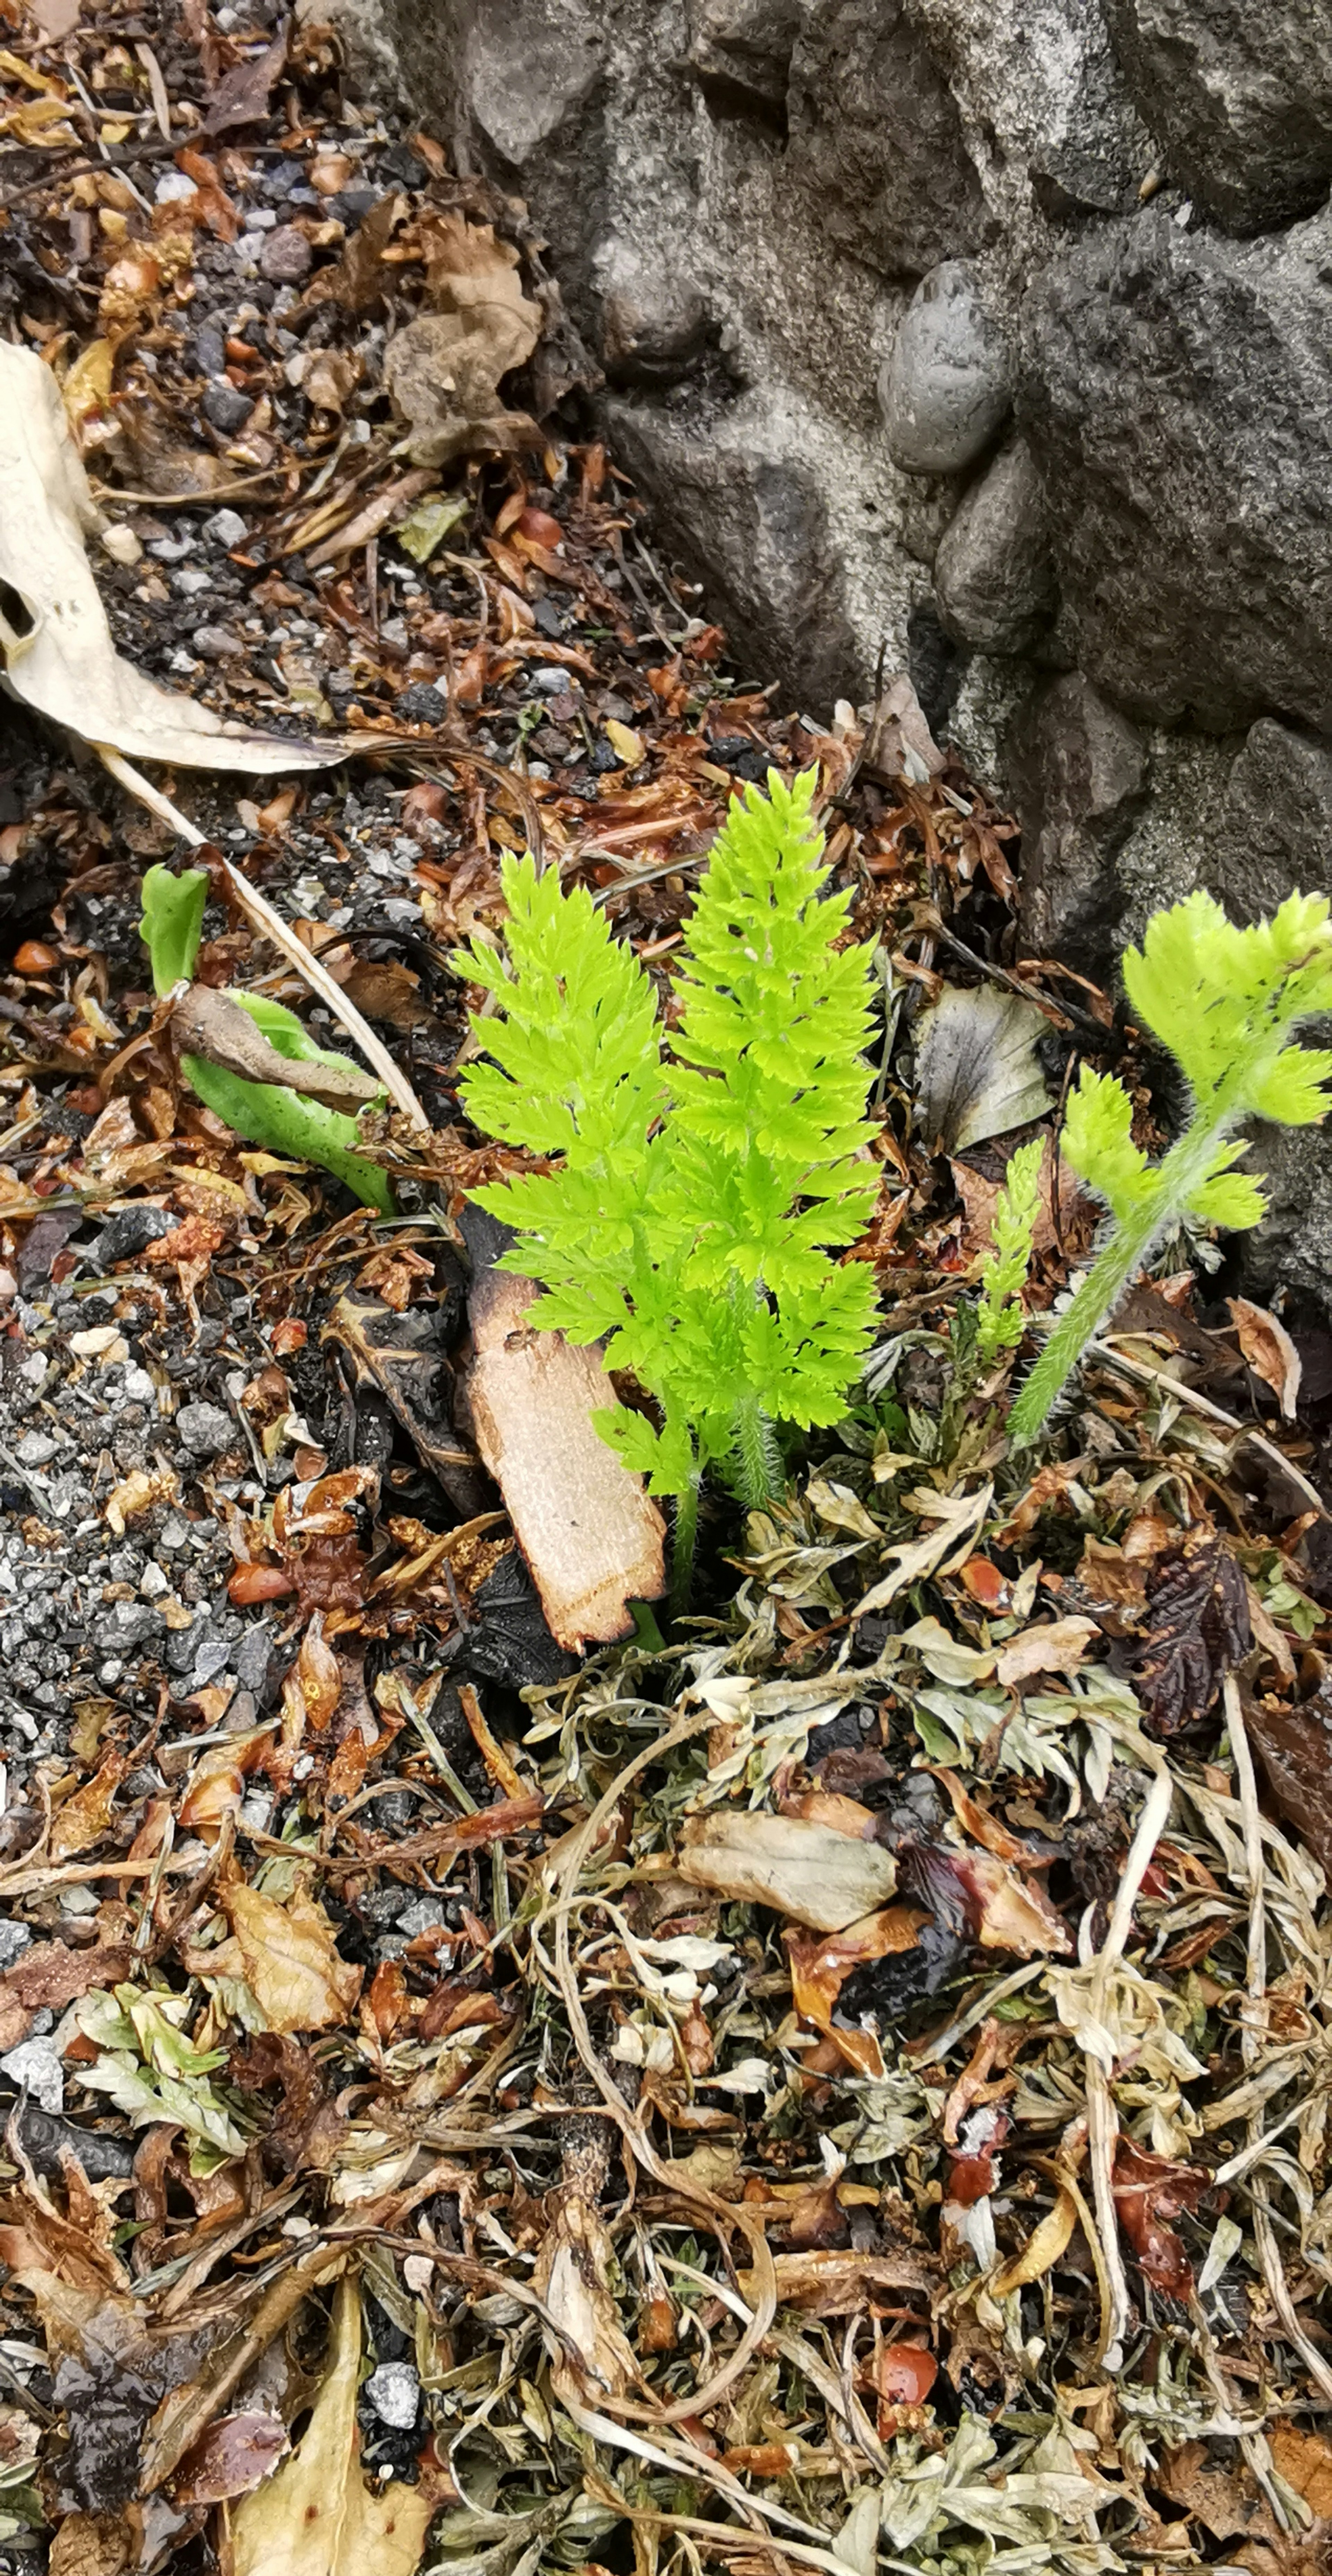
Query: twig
[[261, 915], [1102, 2117], [1256, 1994], [1103, 1350]]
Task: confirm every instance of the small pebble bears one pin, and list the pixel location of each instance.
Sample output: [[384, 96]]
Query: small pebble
[[226, 528], [36, 1449], [393, 2390], [205, 1429], [15, 1938], [34, 2066], [226, 407], [286, 257]]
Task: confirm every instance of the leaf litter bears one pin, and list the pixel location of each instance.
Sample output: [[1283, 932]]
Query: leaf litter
[[840, 2083]]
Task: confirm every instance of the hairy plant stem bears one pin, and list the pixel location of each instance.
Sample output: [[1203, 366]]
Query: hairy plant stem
[[1185, 1167], [683, 1540], [757, 1467]]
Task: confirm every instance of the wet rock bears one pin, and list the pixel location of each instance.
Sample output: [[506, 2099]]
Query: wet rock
[[205, 1429], [422, 704], [1079, 770], [1240, 97], [944, 390], [876, 141], [127, 1232], [226, 408], [286, 258], [993, 577], [1177, 392]]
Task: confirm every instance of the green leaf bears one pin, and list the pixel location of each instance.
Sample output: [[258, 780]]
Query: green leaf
[[173, 911], [999, 1323], [1098, 1143], [688, 1221], [429, 524]]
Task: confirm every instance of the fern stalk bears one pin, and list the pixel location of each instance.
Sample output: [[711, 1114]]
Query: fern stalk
[[1225, 1001]]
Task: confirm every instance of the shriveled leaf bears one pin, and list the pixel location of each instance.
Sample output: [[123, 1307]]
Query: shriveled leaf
[[62, 662], [84, 1818], [977, 1072], [1269, 1350], [442, 372], [1149, 2191], [819, 1877], [572, 2279], [290, 1961], [1198, 1630], [820, 1968], [1042, 2249], [1056, 1647], [317, 2517], [956, 1519]]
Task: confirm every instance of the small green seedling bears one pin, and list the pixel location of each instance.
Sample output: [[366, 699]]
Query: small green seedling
[[282, 1121], [696, 1196], [1000, 1320], [1225, 1002]]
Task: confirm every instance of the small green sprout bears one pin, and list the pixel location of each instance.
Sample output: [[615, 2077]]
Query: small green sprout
[[1225, 1002], [1000, 1320], [689, 1216], [282, 1121]]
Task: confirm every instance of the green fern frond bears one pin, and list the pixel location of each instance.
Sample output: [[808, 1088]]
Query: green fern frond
[[689, 1222], [1000, 1320], [1225, 1001]]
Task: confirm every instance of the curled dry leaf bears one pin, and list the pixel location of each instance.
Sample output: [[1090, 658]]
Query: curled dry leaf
[[1043, 2247], [986, 1898], [62, 661], [819, 1877], [1269, 1350], [1149, 2191], [1198, 1612], [84, 1818], [820, 1968], [1058, 1646], [317, 2517], [572, 2275], [442, 372], [287, 1956]]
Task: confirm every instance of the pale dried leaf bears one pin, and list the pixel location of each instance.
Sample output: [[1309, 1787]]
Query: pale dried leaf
[[1269, 1350], [290, 1962], [977, 1073], [818, 1877], [317, 2517]]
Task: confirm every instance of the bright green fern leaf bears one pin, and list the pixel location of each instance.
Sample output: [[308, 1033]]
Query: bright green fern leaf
[[1000, 1319], [1225, 1001], [688, 1222]]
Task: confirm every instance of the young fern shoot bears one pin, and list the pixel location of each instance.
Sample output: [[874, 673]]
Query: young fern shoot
[[1000, 1320], [688, 1220], [1226, 1002]]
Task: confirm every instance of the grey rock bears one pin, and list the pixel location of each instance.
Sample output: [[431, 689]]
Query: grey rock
[[1080, 772], [422, 704], [653, 322], [528, 67], [226, 528], [226, 407], [36, 1449], [1177, 392], [421, 1915], [944, 389], [394, 2392], [128, 1231], [286, 258], [741, 49], [36, 2069], [1276, 831], [1241, 98], [876, 141], [205, 1429], [15, 1938], [130, 1623], [208, 351], [754, 524], [216, 643], [993, 577]]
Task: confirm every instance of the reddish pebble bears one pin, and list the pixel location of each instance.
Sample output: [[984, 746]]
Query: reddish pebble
[[259, 1583], [35, 958]]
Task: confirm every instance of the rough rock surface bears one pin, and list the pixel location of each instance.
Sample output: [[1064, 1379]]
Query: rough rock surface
[[1243, 97], [1177, 390], [1119, 616]]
